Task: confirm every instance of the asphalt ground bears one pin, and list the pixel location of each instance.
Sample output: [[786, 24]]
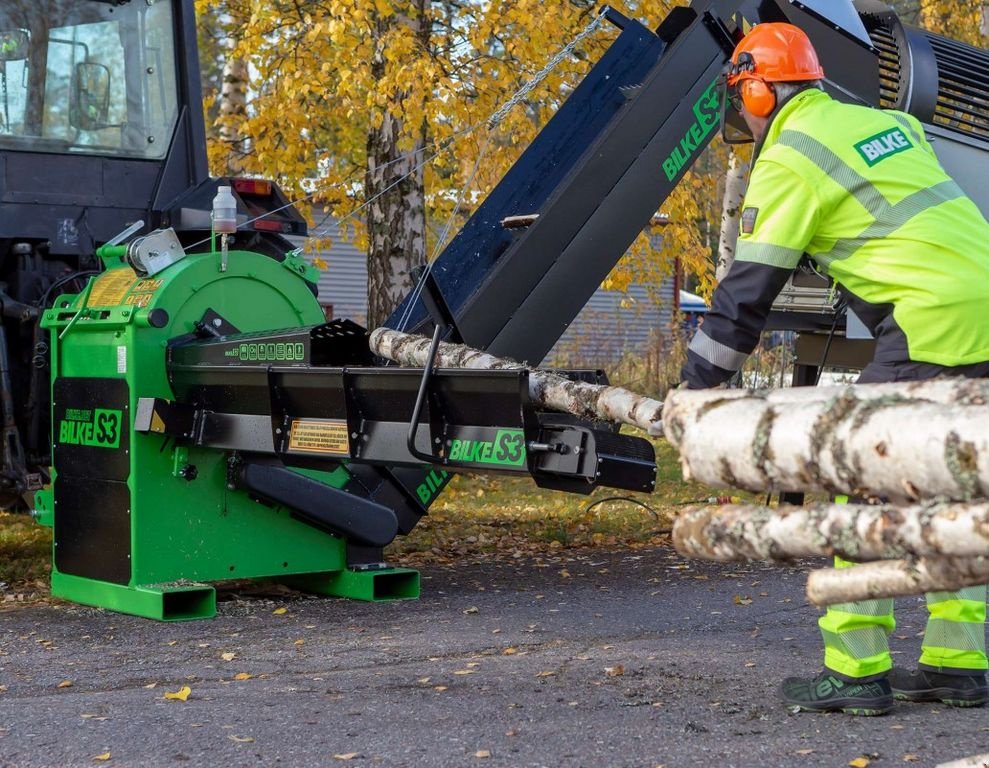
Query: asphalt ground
[[589, 659]]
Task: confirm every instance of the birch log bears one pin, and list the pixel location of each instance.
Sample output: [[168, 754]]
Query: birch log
[[856, 532], [895, 578], [591, 401], [901, 441]]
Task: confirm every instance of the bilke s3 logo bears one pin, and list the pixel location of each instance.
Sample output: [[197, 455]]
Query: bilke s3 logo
[[506, 450], [99, 428]]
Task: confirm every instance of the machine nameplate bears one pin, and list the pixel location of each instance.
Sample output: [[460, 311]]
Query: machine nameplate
[[319, 436], [507, 449], [99, 428]]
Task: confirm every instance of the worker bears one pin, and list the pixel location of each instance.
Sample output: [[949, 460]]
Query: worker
[[859, 192]]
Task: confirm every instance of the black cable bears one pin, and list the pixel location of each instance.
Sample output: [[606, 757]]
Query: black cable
[[645, 506], [838, 313], [43, 301]]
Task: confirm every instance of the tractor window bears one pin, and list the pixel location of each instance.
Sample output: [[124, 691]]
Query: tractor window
[[84, 76]]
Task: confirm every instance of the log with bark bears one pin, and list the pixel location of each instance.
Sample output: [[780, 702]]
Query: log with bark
[[895, 578], [901, 441], [857, 532], [591, 401]]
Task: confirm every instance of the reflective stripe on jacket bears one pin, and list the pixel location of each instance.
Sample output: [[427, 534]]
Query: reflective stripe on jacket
[[861, 192]]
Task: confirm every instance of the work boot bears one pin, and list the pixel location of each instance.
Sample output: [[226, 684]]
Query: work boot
[[830, 693], [953, 690]]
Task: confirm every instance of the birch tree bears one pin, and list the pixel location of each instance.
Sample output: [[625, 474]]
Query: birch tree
[[376, 99]]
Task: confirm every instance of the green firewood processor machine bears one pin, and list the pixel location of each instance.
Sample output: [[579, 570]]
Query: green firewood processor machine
[[207, 423]]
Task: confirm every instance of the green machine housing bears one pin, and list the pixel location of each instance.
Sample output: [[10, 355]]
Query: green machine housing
[[209, 425], [139, 521]]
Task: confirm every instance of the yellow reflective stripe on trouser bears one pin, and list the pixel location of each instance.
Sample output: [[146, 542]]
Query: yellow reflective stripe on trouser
[[856, 635], [887, 218], [955, 637]]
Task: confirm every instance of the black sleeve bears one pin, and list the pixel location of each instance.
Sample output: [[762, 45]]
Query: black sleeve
[[732, 327]]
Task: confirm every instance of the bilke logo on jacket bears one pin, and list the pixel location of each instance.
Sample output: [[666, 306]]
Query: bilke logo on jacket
[[877, 148]]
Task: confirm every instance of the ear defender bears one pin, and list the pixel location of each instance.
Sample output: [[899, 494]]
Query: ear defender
[[758, 96]]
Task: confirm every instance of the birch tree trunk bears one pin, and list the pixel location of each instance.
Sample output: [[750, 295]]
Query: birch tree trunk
[[731, 209], [396, 220], [901, 441], [895, 578], [591, 401], [233, 112], [855, 532]]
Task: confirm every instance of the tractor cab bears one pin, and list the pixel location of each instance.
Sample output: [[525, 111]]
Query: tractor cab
[[86, 77]]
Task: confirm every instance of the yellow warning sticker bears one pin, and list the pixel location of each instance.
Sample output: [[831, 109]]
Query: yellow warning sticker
[[110, 287], [319, 436]]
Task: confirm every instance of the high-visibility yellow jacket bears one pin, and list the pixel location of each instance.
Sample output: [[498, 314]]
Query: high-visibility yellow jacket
[[859, 191]]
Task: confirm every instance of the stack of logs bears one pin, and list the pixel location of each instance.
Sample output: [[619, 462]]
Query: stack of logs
[[920, 447]]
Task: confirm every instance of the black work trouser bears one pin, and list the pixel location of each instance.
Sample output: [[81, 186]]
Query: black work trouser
[[880, 373]]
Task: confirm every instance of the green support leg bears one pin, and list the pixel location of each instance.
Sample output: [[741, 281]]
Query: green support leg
[[164, 602], [373, 585]]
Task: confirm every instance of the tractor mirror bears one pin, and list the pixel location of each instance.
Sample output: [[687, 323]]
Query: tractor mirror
[[14, 44], [90, 104]]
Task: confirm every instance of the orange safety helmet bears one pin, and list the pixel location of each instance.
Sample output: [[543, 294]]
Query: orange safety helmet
[[770, 53]]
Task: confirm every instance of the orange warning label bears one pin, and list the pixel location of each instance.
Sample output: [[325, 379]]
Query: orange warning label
[[110, 287], [319, 436]]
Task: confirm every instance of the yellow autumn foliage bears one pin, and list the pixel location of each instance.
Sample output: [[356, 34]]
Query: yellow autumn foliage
[[325, 75]]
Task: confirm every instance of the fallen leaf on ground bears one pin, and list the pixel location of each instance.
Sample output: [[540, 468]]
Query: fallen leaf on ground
[[909, 758], [280, 611], [242, 676], [439, 688], [482, 753], [228, 656], [241, 739], [473, 609], [739, 600], [616, 671], [102, 758], [65, 684], [464, 672], [347, 756], [182, 694], [859, 762], [545, 674], [509, 651], [805, 751]]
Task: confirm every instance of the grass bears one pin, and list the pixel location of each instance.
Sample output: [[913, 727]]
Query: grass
[[477, 515], [25, 552], [482, 514]]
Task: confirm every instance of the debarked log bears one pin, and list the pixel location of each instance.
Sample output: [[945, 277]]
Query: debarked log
[[900, 441], [857, 532], [591, 401], [895, 578]]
